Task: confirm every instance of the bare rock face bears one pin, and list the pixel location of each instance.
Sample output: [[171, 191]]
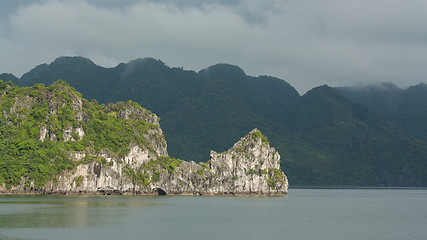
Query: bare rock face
[[251, 166]]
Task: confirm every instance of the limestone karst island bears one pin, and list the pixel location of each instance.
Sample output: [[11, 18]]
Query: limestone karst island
[[53, 141]]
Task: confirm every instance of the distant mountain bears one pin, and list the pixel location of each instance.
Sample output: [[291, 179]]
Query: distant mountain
[[406, 108], [6, 77], [326, 137], [349, 144], [382, 98], [90, 79]]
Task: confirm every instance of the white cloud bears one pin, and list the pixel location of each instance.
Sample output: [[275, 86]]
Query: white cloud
[[307, 43]]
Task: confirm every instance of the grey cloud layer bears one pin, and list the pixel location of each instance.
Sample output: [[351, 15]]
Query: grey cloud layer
[[307, 43]]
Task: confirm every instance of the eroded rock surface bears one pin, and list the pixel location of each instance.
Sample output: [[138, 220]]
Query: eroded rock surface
[[251, 166], [62, 118]]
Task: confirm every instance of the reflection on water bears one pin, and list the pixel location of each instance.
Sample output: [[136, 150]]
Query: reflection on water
[[303, 214], [64, 211]]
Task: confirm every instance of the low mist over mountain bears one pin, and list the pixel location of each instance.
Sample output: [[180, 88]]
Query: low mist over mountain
[[406, 108], [329, 136]]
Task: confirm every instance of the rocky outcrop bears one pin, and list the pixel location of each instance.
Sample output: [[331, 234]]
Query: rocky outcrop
[[251, 166], [78, 154]]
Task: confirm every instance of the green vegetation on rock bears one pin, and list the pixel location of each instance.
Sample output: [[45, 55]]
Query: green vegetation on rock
[[141, 176], [257, 134], [41, 127], [79, 180]]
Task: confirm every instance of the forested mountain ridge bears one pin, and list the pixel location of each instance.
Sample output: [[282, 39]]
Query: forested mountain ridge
[[406, 108], [350, 142], [324, 138]]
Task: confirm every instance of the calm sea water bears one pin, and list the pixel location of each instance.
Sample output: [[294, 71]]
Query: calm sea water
[[303, 214]]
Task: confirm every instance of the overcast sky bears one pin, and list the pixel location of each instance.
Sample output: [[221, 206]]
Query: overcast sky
[[305, 42]]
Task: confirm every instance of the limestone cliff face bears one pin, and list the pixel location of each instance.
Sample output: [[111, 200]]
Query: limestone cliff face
[[75, 147], [104, 173], [251, 166]]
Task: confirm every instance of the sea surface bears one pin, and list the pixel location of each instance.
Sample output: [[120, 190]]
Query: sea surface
[[302, 214]]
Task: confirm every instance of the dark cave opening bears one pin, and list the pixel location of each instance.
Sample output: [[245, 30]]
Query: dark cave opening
[[160, 191]]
